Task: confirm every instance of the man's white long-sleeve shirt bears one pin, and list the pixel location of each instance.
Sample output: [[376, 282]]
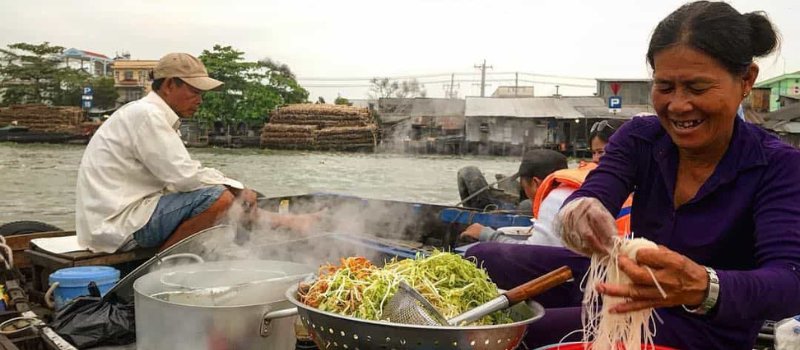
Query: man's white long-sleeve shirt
[[134, 158]]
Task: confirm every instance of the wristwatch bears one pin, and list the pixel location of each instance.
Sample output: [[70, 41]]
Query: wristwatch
[[712, 294]]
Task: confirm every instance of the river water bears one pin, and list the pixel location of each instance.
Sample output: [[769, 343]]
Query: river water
[[38, 180]]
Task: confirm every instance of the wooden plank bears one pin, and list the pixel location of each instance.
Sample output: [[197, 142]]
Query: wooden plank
[[53, 262], [20, 243], [6, 344]]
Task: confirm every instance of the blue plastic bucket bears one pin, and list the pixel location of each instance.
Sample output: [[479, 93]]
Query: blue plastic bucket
[[74, 282]]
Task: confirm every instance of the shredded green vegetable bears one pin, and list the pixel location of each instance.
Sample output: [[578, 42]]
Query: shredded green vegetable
[[451, 283]]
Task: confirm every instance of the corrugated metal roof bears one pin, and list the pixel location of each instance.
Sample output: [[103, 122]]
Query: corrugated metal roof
[[773, 80], [525, 107], [421, 107], [783, 127], [596, 107], [785, 113]]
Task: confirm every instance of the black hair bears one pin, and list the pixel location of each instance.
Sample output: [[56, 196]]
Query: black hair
[[604, 133], [156, 84], [540, 163], [718, 30]]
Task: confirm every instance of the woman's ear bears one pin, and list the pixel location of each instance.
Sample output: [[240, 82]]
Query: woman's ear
[[749, 78]]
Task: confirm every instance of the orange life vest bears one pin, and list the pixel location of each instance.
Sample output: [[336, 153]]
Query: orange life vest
[[574, 178]]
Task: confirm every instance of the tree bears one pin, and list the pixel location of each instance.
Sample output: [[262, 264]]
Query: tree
[[342, 101], [251, 89], [105, 94], [282, 79], [409, 89], [30, 74], [384, 87]]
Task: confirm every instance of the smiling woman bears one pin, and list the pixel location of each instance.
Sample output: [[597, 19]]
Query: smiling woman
[[718, 195]]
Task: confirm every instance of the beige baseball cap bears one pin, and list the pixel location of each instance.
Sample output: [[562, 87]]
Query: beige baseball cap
[[188, 68]]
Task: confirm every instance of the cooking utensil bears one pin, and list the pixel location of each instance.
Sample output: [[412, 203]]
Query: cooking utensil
[[334, 331], [255, 317], [409, 307]]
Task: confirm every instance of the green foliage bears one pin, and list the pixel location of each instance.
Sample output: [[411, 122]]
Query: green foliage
[[105, 94], [342, 101], [29, 73], [32, 73], [251, 89]]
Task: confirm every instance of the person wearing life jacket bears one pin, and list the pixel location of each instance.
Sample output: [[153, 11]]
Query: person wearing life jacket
[[549, 194], [536, 166]]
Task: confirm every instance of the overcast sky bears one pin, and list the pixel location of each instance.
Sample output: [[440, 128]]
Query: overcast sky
[[362, 39]]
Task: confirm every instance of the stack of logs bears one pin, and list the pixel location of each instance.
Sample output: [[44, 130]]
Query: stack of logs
[[39, 117], [320, 126]]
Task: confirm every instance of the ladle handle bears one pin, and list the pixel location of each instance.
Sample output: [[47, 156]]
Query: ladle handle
[[538, 285]]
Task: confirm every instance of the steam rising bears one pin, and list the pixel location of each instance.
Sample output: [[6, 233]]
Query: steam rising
[[350, 228]]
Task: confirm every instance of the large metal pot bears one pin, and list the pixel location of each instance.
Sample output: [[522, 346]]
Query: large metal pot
[[218, 305]]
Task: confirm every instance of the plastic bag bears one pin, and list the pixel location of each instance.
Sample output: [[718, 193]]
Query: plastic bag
[[787, 334], [87, 321]]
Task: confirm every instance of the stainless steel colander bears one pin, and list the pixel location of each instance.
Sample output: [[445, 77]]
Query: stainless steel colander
[[334, 331]]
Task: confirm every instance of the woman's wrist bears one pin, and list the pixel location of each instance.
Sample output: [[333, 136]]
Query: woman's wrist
[[711, 295]]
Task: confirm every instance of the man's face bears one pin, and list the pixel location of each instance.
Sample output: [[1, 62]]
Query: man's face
[[529, 186], [183, 99]]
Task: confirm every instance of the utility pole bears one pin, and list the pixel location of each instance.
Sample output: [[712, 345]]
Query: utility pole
[[483, 67], [450, 89]]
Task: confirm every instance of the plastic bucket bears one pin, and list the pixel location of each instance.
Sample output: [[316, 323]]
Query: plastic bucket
[[74, 282], [579, 346]]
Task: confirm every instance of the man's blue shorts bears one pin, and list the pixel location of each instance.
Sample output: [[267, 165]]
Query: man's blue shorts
[[172, 210]]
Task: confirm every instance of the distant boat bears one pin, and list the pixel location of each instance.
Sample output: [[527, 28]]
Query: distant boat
[[22, 134]]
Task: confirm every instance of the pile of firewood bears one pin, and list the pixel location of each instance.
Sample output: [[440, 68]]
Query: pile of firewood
[[320, 126], [39, 117]]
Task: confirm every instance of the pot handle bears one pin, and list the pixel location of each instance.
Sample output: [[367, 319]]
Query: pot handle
[[182, 255], [266, 323]]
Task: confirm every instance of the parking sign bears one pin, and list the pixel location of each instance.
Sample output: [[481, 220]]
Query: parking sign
[[614, 104]]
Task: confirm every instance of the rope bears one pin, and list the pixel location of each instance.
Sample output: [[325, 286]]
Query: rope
[[8, 259], [8, 322]]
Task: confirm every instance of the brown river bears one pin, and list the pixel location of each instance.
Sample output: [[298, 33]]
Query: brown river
[[38, 180]]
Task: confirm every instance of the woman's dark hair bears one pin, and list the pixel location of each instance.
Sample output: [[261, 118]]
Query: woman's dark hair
[[604, 129], [718, 30], [540, 163]]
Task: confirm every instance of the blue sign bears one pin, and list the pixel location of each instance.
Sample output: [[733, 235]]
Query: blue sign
[[614, 102], [88, 90], [87, 104]]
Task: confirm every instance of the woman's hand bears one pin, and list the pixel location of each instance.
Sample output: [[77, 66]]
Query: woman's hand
[[586, 226], [683, 281]]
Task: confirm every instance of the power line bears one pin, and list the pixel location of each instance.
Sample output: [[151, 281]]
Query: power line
[[510, 80], [434, 75]]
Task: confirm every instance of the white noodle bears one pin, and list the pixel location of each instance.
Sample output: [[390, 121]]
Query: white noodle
[[605, 330]]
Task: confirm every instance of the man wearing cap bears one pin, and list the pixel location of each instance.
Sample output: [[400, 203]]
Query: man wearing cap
[[137, 183]]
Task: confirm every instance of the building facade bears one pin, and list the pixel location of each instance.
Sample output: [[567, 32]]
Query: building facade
[[782, 85], [132, 78], [422, 125], [95, 64]]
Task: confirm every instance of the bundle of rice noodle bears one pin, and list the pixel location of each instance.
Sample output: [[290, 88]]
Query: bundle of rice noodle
[[613, 331]]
